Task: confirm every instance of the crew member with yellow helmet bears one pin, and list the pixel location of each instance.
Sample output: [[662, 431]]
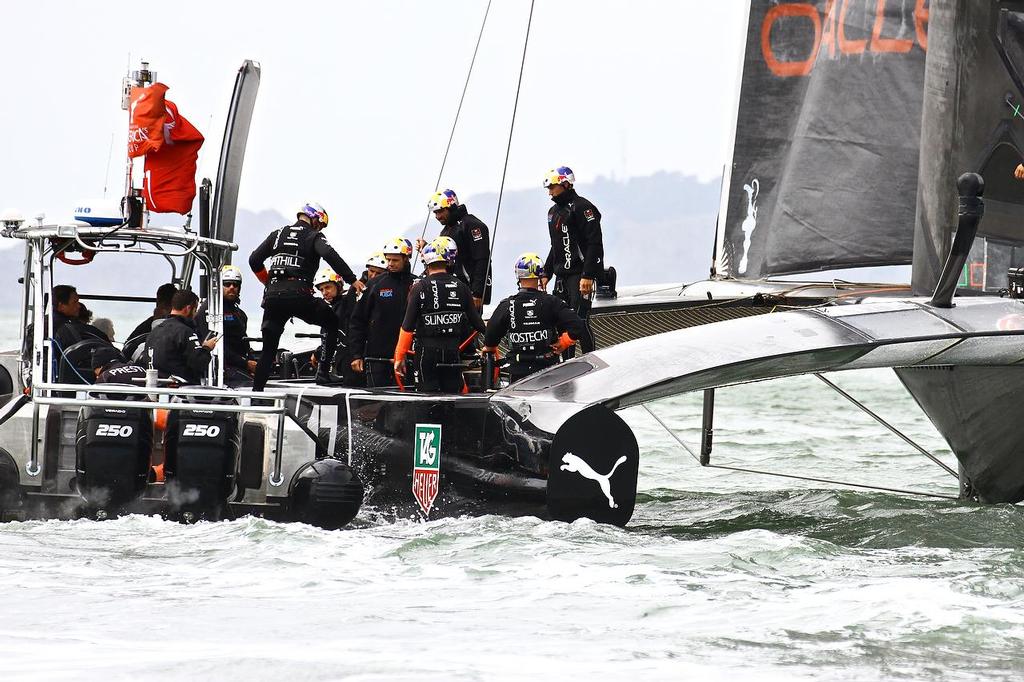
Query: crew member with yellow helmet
[[378, 314], [440, 315], [538, 326], [472, 240], [576, 258], [295, 252]]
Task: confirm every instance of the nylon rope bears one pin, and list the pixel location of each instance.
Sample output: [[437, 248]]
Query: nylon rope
[[458, 112], [508, 148], [777, 474]]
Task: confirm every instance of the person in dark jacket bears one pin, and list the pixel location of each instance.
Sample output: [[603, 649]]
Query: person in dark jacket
[[295, 252], [472, 239], [173, 347], [377, 317], [238, 363], [440, 316], [330, 286], [161, 310], [68, 326], [576, 258], [538, 325]]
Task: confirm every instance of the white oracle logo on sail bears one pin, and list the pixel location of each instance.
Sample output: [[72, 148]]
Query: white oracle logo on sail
[[750, 222], [575, 464]]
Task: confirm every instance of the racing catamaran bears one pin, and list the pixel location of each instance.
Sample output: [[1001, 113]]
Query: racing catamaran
[[852, 129]]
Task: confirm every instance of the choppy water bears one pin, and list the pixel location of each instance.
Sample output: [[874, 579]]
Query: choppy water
[[720, 575]]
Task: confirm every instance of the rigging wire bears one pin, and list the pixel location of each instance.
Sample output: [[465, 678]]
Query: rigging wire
[[458, 111], [508, 148], [762, 472], [887, 425]]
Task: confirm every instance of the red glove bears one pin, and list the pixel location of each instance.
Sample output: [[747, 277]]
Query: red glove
[[564, 342], [263, 276]]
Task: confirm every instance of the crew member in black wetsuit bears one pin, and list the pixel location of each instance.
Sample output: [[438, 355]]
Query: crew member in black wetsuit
[[472, 239], [576, 257], [295, 252], [238, 363], [377, 317], [173, 346], [440, 316], [538, 325]]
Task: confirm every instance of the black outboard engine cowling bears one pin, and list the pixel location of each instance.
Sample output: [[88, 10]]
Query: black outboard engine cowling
[[201, 456], [325, 493], [112, 451]]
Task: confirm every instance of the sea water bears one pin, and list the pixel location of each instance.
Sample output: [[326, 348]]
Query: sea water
[[719, 576]]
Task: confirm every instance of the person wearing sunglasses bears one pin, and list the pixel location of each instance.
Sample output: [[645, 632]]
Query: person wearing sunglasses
[[239, 366]]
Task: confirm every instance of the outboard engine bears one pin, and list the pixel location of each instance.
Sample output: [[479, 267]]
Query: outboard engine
[[112, 450], [325, 493], [201, 455]]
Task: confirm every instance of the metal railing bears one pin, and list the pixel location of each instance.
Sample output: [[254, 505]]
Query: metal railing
[[42, 395]]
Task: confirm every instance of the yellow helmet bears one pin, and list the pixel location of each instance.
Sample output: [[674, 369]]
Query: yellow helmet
[[529, 266], [325, 275], [444, 199], [399, 245], [556, 176]]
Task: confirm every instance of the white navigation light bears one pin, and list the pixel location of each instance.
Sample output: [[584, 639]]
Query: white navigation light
[[11, 219]]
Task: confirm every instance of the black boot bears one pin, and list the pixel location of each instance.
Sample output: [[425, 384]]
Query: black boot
[[325, 362]]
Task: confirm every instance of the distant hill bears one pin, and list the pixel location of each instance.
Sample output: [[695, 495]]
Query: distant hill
[[657, 228]]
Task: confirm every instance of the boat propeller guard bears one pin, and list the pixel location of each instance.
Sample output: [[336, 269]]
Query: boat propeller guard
[[592, 468]]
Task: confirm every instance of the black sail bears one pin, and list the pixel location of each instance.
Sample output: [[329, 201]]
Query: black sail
[[973, 121], [825, 160]]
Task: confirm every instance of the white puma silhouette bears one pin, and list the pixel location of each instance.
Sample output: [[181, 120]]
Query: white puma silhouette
[[579, 466], [750, 222]]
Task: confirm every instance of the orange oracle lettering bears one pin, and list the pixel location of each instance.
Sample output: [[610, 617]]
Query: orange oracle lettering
[[920, 19], [789, 68], [848, 46], [828, 36], [880, 44]]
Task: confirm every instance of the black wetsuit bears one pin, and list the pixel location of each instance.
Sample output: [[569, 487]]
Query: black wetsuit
[[175, 349], [375, 323], [237, 351], [442, 314], [295, 252], [472, 238], [577, 251], [532, 320]]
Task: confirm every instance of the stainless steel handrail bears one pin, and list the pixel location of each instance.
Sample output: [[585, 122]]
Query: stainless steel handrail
[[279, 408]]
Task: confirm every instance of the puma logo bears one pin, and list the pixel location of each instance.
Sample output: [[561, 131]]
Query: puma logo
[[575, 464]]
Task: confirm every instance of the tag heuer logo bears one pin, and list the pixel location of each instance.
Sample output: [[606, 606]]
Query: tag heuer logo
[[426, 465]]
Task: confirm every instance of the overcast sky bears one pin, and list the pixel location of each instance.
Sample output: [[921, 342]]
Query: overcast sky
[[357, 98]]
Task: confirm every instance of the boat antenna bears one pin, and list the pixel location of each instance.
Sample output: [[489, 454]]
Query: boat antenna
[[508, 148], [451, 136], [106, 174]]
